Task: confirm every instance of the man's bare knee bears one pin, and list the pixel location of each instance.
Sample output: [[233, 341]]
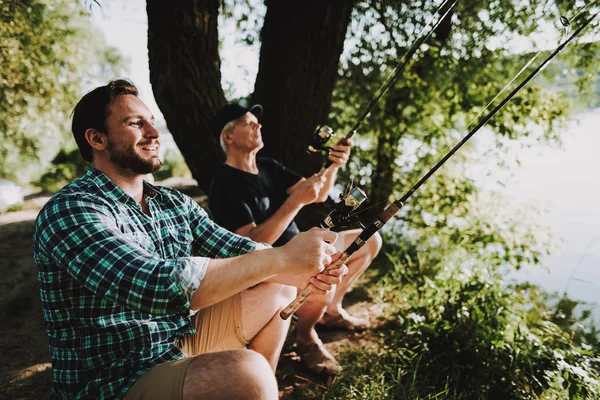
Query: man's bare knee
[[375, 243], [238, 374], [318, 300], [288, 294], [255, 373]]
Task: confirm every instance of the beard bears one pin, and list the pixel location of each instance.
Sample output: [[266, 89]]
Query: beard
[[128, 159]]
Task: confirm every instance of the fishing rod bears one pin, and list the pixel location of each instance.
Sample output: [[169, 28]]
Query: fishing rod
[[323, 133], [353, 196], [397, 205]]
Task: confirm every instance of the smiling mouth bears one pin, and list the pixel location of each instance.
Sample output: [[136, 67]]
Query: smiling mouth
[[149, 147]]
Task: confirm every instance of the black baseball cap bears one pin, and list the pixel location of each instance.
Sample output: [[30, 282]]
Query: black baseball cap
[[231, 112]]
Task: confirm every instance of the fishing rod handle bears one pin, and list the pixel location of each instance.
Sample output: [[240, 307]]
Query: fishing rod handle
[[308, 291]]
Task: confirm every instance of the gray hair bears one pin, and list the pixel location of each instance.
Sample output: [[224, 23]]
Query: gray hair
[[227, 128]]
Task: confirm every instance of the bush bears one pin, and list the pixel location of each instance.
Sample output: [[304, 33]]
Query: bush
[[66, 166], [461, 333]]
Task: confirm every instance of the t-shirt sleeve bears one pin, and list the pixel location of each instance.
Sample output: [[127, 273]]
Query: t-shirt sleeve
[[228, 208], [283, 177]]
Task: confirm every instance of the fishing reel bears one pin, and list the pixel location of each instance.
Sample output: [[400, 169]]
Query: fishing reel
[[321, 136], [350, 199]]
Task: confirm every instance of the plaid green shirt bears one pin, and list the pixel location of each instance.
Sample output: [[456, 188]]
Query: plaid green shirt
[[116, 283]]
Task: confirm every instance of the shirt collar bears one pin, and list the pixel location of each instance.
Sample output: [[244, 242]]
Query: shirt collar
[[113, 191], [151, 191]]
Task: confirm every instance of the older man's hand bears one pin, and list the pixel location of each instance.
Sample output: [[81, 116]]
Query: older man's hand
[[340, 152]]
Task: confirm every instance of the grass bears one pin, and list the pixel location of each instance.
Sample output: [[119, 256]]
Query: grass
[[452, 334]]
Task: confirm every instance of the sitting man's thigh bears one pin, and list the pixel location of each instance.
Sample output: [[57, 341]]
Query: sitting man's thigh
[[218, 328], [233, 322]]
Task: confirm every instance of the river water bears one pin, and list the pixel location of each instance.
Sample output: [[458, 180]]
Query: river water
[[566, 182]]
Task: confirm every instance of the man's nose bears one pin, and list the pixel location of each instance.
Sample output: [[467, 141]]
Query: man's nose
[[152, 131]]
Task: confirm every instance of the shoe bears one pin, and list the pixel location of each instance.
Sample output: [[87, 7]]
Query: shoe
[[344, 321], [316, 357]]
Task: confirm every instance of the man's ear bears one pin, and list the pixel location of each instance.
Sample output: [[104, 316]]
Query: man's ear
[[224, 136], [95, 138]]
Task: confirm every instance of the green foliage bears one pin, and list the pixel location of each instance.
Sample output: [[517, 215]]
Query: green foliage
[[455, 329], [67, 166], [454, 334], [15, 207], [568, 318], [442, 92], [50, 52], [458, 331]]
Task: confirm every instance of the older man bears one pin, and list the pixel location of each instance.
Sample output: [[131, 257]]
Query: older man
[[259, 198]]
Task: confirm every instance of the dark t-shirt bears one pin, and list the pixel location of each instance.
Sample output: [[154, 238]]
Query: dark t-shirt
[[237, 198]]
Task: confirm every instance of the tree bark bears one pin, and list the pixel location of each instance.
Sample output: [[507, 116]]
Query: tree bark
[[301, 46], [382, 177], [186, 78]]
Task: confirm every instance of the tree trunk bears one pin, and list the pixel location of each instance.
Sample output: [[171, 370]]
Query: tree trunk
[[186, 78], [382, 177], [299, 57]]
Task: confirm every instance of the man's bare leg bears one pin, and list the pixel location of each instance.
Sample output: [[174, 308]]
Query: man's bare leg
[[308, 316], [357, 264], [310, 348], [234, 374], [261, 324], [315, 307]]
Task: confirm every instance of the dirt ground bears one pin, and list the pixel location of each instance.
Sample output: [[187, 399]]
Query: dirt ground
[[25, 370]]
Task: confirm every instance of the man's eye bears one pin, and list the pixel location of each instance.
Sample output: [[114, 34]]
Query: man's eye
[[137, 123]]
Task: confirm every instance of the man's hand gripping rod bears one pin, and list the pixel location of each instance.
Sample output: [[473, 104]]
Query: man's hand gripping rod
[[369, 231], [351, 199]]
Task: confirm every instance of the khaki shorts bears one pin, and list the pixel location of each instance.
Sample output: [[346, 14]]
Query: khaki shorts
[[218, 327]]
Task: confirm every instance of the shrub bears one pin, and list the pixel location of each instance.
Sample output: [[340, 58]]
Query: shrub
[[66, 166], [459, 333]]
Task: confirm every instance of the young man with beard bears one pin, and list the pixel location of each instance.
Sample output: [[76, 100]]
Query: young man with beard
[[143, 295], [259, 198]]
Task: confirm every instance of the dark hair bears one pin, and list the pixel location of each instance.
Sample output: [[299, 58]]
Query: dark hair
[[92, 111]]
